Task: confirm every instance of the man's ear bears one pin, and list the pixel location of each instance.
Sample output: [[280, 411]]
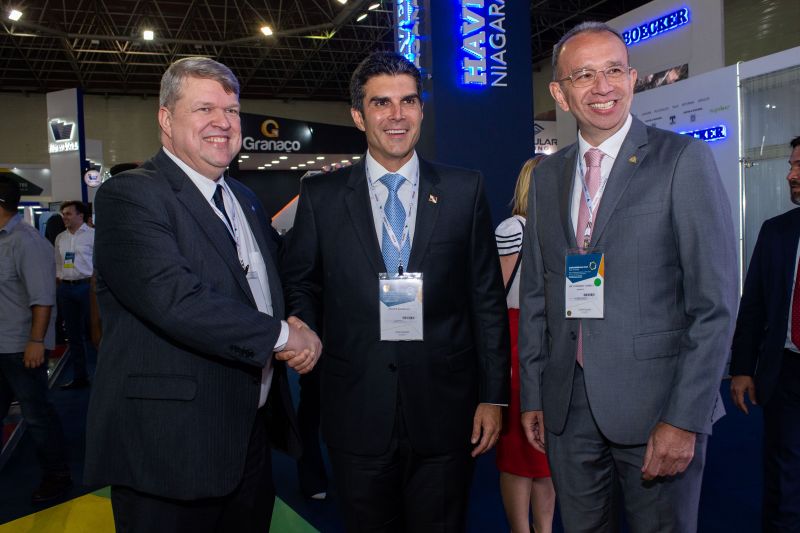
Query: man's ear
[[165, 121], [358, 118], [558, 95]]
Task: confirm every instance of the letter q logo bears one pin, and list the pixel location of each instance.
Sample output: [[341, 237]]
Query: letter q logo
[[269, 128]]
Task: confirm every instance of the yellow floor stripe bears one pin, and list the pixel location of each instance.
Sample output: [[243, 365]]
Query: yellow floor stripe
[[92, 514]]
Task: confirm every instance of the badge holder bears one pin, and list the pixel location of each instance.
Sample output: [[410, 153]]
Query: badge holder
[[400, 302], [584, 283]]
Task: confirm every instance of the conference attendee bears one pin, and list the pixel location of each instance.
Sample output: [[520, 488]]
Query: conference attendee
[[189, 392], [415, 365], [525, 483], [73, 251], [27, 298], [765, 363], [628, 297]]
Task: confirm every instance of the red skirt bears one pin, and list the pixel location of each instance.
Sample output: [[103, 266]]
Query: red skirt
[[514, 454]]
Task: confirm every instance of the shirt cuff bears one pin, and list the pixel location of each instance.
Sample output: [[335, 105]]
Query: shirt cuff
[[283, 338]]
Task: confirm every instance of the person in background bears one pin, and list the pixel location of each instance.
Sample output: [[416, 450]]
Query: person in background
[[74, 249], [27, 298], [765, 363], [525, 482]]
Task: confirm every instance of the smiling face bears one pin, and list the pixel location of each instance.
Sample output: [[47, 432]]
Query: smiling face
[[73, 219], [601, 108], [794, 175], [203, 128], [391, 118]]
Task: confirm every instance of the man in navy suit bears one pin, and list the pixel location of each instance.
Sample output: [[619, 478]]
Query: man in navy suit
[[402, 419], [191, 385], [765, 364]]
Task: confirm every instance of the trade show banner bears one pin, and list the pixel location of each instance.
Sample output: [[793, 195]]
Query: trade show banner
[[478, 91], [66, 144], [273, 135]]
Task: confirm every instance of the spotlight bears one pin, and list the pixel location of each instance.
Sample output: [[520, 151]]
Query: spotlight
[[266, 30], [148, 35], [15, 15], [361, 17]]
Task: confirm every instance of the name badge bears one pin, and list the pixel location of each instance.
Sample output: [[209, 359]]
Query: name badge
[[585, 280], [69, 260], [400, 302]]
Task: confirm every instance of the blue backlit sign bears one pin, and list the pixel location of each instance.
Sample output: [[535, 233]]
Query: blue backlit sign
[[717, 133], [407, 41], [483, 43], [650, 29]]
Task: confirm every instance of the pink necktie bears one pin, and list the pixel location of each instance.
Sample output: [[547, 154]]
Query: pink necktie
[[593, 157]]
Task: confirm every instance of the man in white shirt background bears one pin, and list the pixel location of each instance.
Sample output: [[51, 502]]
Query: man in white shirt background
[[74, 247]]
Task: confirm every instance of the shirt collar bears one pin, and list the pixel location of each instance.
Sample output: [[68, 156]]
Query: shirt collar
[[206, 186], [611, 146], [409, 171], [11, 224]]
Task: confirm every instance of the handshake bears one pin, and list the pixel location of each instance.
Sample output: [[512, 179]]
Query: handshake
[[303, 348]]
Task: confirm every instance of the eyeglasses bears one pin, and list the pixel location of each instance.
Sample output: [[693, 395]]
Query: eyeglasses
[[587, 76]]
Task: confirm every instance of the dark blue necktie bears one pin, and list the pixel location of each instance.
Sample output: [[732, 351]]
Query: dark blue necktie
[[396, 216]]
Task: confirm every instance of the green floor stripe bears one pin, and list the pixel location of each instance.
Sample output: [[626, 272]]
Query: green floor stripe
[[285, 520], [105, 492]]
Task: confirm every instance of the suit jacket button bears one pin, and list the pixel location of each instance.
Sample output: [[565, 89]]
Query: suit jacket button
[[392, 367], [572, 335]]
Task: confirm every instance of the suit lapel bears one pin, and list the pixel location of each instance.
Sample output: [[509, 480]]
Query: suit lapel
[[564, 185], [427, 213], [207, 221], [631, 155], [787, 253], [360, 210], [257, 224]]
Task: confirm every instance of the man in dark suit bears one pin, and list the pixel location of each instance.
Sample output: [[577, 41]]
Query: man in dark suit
[[765, 364], [402, 419], [622, 351], [188, 396]]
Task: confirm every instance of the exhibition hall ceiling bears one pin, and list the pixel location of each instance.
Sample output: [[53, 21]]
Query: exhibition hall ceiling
[[99, 45]]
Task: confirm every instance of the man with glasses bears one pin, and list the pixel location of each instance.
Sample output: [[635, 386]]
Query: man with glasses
[[627, 301]]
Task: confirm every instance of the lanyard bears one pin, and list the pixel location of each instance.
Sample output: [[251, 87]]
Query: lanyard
[[233, 227], [398, 244], [591, 202]]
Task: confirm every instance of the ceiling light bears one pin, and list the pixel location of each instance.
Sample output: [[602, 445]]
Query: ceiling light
[[374, 6], [261, 167], [361, 17], [310, 162], [343, 2], [148, 35], [294, 168], [266, 30], [14, 15], [345, 161], [268, 165], [239, 161], [356, 157], [301, 165], [275, 162], [283, 157], [320, 157], [243, 156]]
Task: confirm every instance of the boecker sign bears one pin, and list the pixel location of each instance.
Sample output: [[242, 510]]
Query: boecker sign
[[655, 27]]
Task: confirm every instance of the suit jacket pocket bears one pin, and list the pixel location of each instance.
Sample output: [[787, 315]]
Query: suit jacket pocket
[[653, 345], [639, 209], [160, 387]]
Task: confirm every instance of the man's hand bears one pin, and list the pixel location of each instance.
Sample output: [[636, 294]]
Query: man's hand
[[486, 427], [34, 355], [740, 385], [533, 424], [669, 451], [303, 347]]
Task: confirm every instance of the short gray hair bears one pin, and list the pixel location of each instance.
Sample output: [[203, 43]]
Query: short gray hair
[[194, 67], [583, 27]]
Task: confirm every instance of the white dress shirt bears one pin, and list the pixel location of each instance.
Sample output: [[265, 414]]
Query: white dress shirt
[[80, 243], [610, 147], [249, 255]]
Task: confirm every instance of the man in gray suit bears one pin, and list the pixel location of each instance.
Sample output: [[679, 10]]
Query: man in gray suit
[[188, 394], [628, 301]]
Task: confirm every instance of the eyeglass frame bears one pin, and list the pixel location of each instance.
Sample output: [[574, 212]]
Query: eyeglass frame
[[596, 72]]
